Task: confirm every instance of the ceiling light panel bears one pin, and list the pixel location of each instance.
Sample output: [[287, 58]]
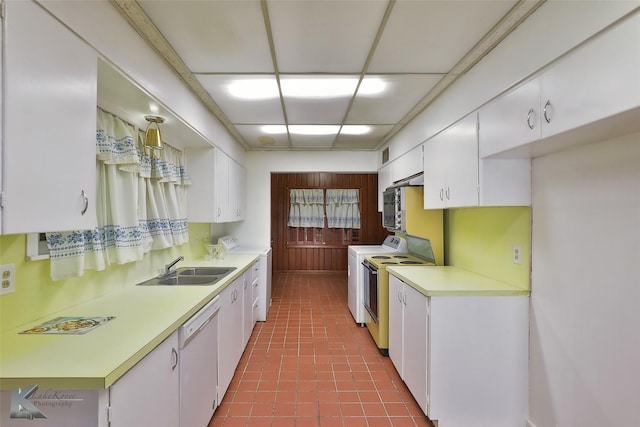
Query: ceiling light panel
[[257, 139], [245, 110], [434, 35], [362, 142], [214, 36], [402, 93], [309, 36]]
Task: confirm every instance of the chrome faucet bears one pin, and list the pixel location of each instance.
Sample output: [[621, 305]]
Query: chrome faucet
[[167, 268]]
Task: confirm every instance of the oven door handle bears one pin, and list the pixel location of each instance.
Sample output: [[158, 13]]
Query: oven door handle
[[371, 268]]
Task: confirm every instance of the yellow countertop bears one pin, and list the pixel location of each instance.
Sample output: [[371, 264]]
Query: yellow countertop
[[144, 317], [452, 281]]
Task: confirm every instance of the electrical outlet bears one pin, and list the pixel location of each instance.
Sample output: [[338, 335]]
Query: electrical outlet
[[7, 279], [517, 254]]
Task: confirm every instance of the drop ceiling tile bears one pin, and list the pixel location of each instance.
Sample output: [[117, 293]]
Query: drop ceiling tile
[[362, 142], [312, 142], [259, 140], [402, 92], [214, 36], [432, 36], [242, 111], [316, 111], [324, 36]]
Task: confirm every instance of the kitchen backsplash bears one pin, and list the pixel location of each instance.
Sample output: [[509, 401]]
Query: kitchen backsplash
[[482, 240], [36, 295]]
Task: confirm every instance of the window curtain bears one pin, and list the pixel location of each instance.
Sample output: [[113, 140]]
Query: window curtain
[[342, 208], [140, 204], [306, 208]]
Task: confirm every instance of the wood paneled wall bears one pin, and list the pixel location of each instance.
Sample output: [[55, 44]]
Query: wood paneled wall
[[321, 256]]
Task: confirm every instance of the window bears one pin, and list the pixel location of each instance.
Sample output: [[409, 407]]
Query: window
[[323, 217]]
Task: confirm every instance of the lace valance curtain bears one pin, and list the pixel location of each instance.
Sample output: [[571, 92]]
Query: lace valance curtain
[[140, 204], [342, 208], [306, 208]]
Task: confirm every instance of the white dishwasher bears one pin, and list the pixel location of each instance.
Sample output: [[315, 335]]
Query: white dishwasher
[[198, 342]]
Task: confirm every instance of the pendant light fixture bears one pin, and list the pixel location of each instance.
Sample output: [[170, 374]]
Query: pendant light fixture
[[152, 138]]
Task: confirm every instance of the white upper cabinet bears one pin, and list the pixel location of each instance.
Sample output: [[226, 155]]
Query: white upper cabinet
[[455, 176], [218, 187], [409, 164], [384, 181], [49, 124], [451, 166], [577, 93], [237, 191]]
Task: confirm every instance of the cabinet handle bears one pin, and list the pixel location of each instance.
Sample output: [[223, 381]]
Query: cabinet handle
[[547, 111], [86, 202], [174, 356], [442, 194], [448, 193], [400, 296], [531, 119]]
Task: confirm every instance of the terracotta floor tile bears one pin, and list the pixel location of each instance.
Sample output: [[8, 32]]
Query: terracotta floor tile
[[310, 365], [332, 422], [351, 409], [284, 409], [374, 409]]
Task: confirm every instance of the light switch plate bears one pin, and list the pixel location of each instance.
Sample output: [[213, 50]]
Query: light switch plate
[[7, 279]]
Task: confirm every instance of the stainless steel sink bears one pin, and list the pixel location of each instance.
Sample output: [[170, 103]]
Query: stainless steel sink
[[205, 271], [189, 280], [190, 276]]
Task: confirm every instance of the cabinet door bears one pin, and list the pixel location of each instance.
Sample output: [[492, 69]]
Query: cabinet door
[[237, 190], [461, 151], [149, 393], [201, 201], [580, 90], [414, 351], [384, 181], [247, 306], [49, 126], [229, 334], [221, 194], [451, 166], [434, 172], [396, 309], [511, 120]]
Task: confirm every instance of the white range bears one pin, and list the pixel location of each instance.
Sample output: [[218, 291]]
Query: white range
[[232, 245], [392, 244]]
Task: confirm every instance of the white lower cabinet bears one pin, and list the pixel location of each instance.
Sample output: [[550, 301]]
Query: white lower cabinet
[[247, 304], [230, 334], [408, 343], [464, 358], [149, 393]]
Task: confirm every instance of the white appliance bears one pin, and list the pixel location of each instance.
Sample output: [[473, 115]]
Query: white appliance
[[392, 244], [198, 343], [231, 245]]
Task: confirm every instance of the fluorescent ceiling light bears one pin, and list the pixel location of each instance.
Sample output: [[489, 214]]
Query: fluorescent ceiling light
[[301, 129], [254, 89], [314, 129], [274, 129], [305, 87], [355, 129]]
